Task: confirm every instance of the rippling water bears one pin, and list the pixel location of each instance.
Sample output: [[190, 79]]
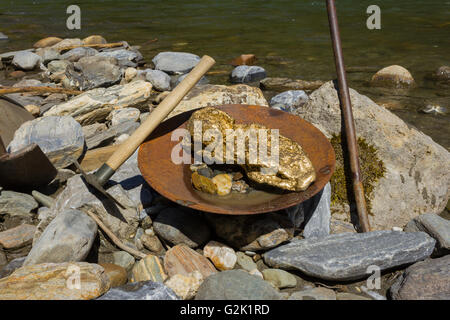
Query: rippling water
[[289, 37]]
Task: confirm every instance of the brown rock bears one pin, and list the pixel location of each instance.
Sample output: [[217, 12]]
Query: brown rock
[[152, 243], [55, 281], [183, 260], [285, 84], [244, 59], [17, 237], [117, 274], [17, 74], [149, 268], [47, 42], [393, 76], [95, 39]]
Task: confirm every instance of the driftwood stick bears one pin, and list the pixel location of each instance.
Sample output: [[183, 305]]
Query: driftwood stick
[[99, 45], [7, 90], [113, 237]]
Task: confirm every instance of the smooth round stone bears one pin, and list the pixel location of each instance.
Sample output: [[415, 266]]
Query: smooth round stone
[[26, 60], [94, 39], [47, 42], [279, 278], [159, 79], [393, 76], [246, 74], [222, 256], [117, 274], [175, 62]]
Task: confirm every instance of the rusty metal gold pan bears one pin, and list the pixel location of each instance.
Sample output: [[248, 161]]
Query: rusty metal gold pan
[[173, 181]]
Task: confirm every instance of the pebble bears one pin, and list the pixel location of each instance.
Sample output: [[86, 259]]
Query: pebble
[[123, 259], [149, 268], [117, 275], [314, 294], [185, 286], [222, 256], [17, 237], [246, 74], [223, 184], [130, 73], [144, 290], [26, 60], [245, 262], [94, 39], [279, 278], [47, 42], [159, 79], [181, 259], [175, 62], [347, 256]]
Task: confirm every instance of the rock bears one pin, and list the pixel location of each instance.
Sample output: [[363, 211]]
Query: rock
[[425, 280], [123, 115], [93, 129], [185, 287], [95, 105], [3, 36], [393, 77], [48, 54], [442, 74], [55, 281], [350, 296], [77, 53], [16, 203], [59, 137], [338, 226], [245, 262], [47, 42], [67, 43], [223, 184], [117, 275], [96, 71], [181, 259], [279, 278], [144, 290], [290, 100], [130, 74], [203, 80], [12, 266], [152, 243], [107, 136], [252, 232], [178, 226], [435, 226], [318, 214], [69, 237], [159, 79], [3, 261], [125, 58], [26, 60], [244, 59], [94, 39], [212, 95], [34, 110], [17, 237], [347, 256], [17, 74], [434, 109], [236, 285], [284, 84], [403, 151], [246, 74], [149, 268], [11, 54], [314, 294], [223, 257], [175, 62], [257, 273], [59, 66], [123, 259]]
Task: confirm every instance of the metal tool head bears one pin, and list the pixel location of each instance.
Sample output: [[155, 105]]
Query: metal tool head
[[92, 180]]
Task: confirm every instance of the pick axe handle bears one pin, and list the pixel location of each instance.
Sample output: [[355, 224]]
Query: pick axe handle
[[155, 118]]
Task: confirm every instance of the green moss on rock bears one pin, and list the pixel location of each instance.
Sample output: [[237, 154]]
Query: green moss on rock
[[372, 169]]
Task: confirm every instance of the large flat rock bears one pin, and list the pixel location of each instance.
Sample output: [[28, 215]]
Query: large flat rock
[[347, 256]]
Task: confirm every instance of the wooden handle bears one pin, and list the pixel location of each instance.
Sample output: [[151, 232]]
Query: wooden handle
[[159, 114]]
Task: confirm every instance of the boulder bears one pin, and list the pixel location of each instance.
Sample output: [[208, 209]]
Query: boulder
[[426, 280], [393, 77], [347, 256], [159, 79], [144, 290], [59, 137], [246, 74], [69, 237], [94, 39], [177, 226], [96, 104], [213, 95], [175, 62], [413, 172], [12, 202], [284, 84], [55, 281], [122, 115], [96, 71], [77, 53], [236, 285], [26, 60], [47, 42], [289, 100]]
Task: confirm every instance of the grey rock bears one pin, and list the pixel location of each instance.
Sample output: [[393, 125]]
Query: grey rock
[[92, 129], [122, 115], [59, 66], [28, 82], [159, 79], [178, 226], [143, 290], [290, 100], [12, 266], [245, 262], [426, 280], [318, 214], [279, 278], [203, 80], [48, 54], [11, 54], [107, 136], [69, 237], [435, 226], [96, 71], [3, 36], [60, 138], [175, 62], [125, 58], [246, 74], [314, 294], [16, 203], [26, 60], [236, 285], [77, 53], [347, 256], [123, 259]]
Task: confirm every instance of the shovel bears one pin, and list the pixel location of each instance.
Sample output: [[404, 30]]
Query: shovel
[[98, 179]]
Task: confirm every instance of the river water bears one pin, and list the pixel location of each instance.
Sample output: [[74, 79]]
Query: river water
[[289, 37]]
